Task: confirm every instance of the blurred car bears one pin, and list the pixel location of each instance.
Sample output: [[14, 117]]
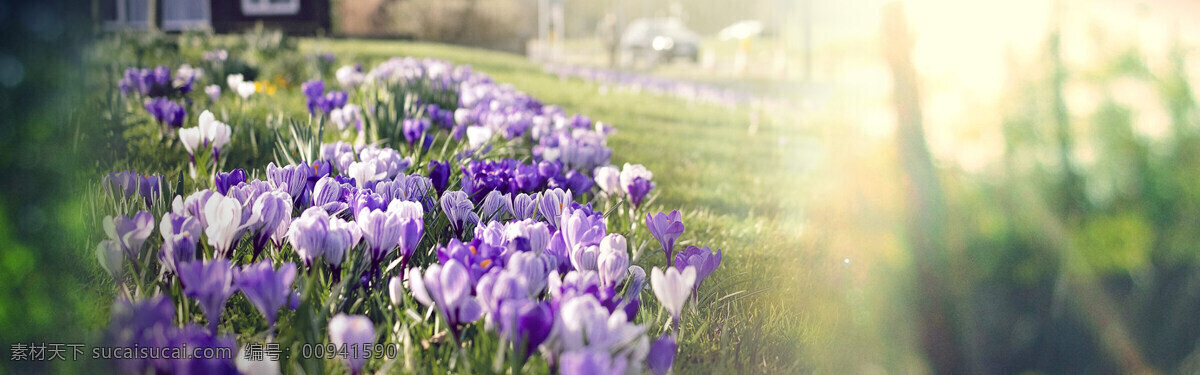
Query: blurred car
[[659, 39]]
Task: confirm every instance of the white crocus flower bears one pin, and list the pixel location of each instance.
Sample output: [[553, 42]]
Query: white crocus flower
[[219, 134], [477, 136], [608, 178], [672, 288], [349, 76], [234, 80], [362, 173], [226, 222], [111, 257], [191, 138], [245, 89], [213, 132]]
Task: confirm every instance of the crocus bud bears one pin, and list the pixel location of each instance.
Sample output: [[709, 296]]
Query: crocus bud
[[612, 262], [609, 179], [637, 281], [326, 191], [496, 205], [584, 258], [396, 290], [111, 257], [524, 206], [353, 331], [539, 237]]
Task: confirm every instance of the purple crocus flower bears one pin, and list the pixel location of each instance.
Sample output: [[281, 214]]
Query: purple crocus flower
[[411, 229], [314, 90], [194, 205], [549, 169], [526, 323], [270, 209], [129, 81], [355, 332], [124, 182], [439, 174], [613, 261], [557, 248], [528, 178], [459, 210], [166, 112], [333, 100], [498, 287], [636, 180], [666, 228], [381, 232], [638, 189], [365, 199], [414, 128], [703, 258], [145, 323], [180, 234], [497, 205], [661, 356], [589, 361], [149, 187], [524, 206], [330, 195], [449, 288], [129, 232], [637, 282], [578, 182], [533, 267], [194, 337], [581, 230], [551, 205], [266, 287], [477, 256], [211, 283], [292, 178], [162, 76], [223, 180]]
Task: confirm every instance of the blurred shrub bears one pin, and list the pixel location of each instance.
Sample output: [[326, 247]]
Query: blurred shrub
[[496, 24]]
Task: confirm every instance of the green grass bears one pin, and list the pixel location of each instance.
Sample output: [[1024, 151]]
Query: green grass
[[741, 191]]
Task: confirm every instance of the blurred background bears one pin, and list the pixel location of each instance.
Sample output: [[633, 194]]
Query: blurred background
[[951, 187]]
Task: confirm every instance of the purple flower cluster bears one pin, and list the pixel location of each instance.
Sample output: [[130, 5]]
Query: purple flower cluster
[[515, 245], [155, 82], [166, 112], [509, 176], [320, 100], [149, 325], [130, 183]]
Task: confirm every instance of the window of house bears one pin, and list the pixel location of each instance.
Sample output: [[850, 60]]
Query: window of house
[[270, 7], [125, 14], [185, 14]]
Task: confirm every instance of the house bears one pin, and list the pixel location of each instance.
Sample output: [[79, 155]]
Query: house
[[221, 16]]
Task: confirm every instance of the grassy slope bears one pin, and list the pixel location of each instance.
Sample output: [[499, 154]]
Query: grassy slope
[[741, 191]]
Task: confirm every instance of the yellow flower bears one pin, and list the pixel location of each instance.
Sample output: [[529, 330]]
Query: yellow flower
[[265, 87]]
